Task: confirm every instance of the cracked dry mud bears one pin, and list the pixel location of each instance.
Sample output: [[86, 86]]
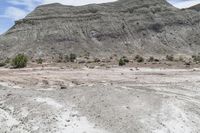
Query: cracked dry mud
[[114, 100]]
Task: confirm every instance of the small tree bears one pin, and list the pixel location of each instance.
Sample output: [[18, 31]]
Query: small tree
[[20, 61], [72, 57]]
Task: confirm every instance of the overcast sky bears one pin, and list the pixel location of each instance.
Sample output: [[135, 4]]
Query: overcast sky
[[11, 10]]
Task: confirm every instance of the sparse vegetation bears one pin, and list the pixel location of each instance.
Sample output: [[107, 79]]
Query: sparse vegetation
[[66, 59], [170, 58], [96, 60], [20, 61], [39, 61], [126, 60], [60, 58], [139, 58], [72, 57], [196, 58], [122, 62], [7, 61], [151, 59], [2, 64], [187, 63]]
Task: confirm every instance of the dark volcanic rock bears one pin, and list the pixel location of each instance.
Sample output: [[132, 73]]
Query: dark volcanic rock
[[125, 27]]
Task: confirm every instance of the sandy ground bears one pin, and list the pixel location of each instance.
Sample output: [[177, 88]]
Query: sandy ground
[[99, 100]]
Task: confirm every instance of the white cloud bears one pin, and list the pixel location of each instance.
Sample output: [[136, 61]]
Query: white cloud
[[76, 2], [14, 13], [28, 4], [184, 3]]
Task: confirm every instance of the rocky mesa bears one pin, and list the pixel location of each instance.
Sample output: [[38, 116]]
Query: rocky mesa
[[124, 27]]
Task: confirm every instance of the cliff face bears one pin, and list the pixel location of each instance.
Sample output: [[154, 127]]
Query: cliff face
[[125, 27]]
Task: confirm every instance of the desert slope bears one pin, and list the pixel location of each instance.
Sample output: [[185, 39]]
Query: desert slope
[[196, 7], [125, 27]]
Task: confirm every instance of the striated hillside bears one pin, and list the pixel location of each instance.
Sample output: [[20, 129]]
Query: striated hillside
[[125, 27], [196, 7]]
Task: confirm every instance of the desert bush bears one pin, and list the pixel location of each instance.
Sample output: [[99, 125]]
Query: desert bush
[[39, 61], [151, 59], [20, 61], [170, 58], [122, 62], [96, 60], [60, 58], [72, 57], [139, 58], [2, 64], [66, 58], [126, 60], [196, 58], [7, 61]]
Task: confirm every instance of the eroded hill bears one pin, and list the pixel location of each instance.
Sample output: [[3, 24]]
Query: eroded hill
[[125, 27]]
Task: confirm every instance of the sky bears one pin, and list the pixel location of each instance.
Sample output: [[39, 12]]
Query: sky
[[11, 10]]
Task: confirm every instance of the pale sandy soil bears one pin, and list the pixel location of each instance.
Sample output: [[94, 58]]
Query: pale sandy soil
[[99, 100]]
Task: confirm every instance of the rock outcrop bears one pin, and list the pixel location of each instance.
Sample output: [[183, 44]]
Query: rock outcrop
[[124, 27]]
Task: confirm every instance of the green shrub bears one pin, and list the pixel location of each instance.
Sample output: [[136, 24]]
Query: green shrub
[[151, 59], [170, 58], [7, 61], [2, 64], [20, 61], [39, 61], [196, 58], [126, 60], [60, 58], [139, 58], [72, 57], [122, 62]]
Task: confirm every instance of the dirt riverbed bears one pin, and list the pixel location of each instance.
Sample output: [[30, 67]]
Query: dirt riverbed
[[99, 100]]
